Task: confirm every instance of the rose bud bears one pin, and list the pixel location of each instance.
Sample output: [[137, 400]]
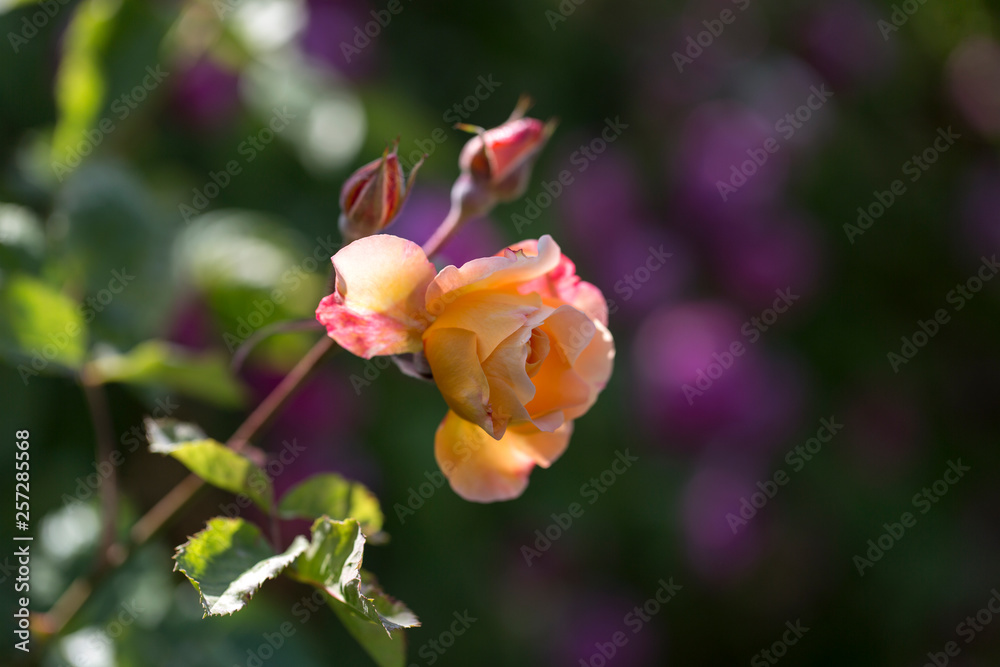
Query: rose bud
[[500, 159], [374, 195]]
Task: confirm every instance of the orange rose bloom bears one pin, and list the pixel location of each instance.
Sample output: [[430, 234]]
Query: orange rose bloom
[[517, 344]]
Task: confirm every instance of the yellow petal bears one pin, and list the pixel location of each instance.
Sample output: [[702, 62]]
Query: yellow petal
[[594, 366], [458, 374], [510, 268], [493, 316], [571, 331], [480, 468], [543, 447]]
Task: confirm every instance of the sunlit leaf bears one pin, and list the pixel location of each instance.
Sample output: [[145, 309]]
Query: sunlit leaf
[[329, 494], [203, 376], [333, 562], [212, 461], [229, 560], [80, 86], [40, 324], [386, 650]]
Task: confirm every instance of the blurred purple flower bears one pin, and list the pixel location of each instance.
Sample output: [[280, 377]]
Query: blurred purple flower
[[602, 198], [316, 427], [718, 553], [191, 325], [696, 393], [333, 23], [206, 95], [716, 156], [591, 623], [766, 253], [981, 209], [634, 274], [796, 99], [827, 32]]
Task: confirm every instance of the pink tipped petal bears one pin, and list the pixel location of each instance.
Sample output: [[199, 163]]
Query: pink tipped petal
[[378, 305], [510, 268], [561, 284], [479, 468]]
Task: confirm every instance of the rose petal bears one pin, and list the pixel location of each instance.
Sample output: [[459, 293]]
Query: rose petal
[[451, 354], [544, 448], [594, 366], [562, 285], [494, 316], [571, 331], [510, 268], [378, 305], [510, 386], [480, 468]]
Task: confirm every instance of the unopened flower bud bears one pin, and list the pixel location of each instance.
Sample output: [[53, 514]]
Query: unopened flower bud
[[373, 196], [499, 160]]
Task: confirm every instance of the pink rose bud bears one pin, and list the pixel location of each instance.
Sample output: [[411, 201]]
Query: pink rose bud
[[374, 195], [500, 159]]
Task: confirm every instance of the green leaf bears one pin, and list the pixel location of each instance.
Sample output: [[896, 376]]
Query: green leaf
[[329, 494], [80, 86], [229, 560], [332, 562], [203, 376], [212, 461], [385, 650], [37, 320]]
